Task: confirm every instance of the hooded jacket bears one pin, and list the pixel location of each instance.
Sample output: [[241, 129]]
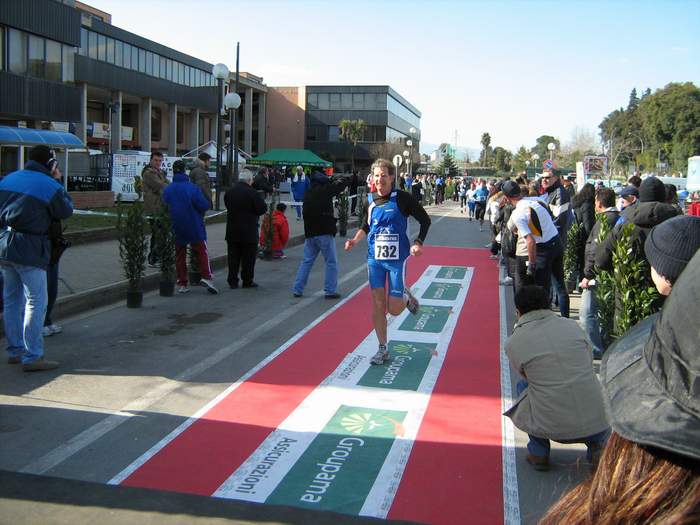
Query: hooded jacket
[[280, 230], [186, 205], [29, 201], [644, 216], [154, 181], [318, 205], [200, 176], [299, 187], [557, 198]]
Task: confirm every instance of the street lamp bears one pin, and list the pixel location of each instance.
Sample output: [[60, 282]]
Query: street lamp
[[527, 168], [412, 131], [409, 166], [535, 157], [232, 101], [551, 147], [220, 72]]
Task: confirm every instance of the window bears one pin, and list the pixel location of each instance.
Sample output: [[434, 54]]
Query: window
[[101, 47], [156, 123], [92, 44], [180, 128], [312, 101], [181, 73], [149, 63], [170, 70], [142, 60], [53, 61], [134, 58], [323, 101], [162, 71], [335, 100], [127, 56], [35, 66], [69, 63], [83, 41], [110, 50], [358, 101], [401, 111], [371, 101], [346, 100], [18, 52], [119, 53], [2, 48], [333, 133]]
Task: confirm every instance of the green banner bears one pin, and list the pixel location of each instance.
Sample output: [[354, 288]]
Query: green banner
[[452, 272], [428, 319], [405, 370], [442, 291], [338, 469]]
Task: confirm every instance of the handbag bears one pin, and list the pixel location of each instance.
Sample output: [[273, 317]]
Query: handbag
[[509, 242]]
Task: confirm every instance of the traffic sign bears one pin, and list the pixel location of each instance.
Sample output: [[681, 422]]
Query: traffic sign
[[548, 164], [398, 159]]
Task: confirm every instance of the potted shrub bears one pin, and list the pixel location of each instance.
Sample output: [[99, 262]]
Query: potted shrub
[[572, 252], [131, 227], [268, 229], [165, 244]]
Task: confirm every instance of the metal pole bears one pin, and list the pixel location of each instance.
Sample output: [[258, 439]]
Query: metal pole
[[233, 127], [219, 135], [229, 157]]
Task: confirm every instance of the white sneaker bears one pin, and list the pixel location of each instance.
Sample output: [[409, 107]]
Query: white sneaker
[[493, 257], [46, 331], [506, 281], [209, 286], [381, 356], [183, 289]]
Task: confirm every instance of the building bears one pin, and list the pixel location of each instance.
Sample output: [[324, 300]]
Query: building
[[437, 156], [388, 119], [63, 65]]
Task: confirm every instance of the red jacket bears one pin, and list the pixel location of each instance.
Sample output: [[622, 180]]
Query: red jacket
[[280, 230]]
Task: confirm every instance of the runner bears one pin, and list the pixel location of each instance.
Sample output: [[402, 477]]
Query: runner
[[481, 195], [389, 247]]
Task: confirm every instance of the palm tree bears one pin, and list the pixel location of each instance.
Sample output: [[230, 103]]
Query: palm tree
[[352, 131]]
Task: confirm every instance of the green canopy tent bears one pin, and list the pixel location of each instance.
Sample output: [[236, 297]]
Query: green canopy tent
[[290, 157]]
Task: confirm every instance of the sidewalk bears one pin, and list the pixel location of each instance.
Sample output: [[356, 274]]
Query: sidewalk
[[91, 274]]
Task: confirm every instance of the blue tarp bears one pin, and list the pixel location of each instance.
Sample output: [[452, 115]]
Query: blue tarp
[[10, 136]]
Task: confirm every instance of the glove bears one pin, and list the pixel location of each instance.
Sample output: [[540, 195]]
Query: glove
[[530, 269]]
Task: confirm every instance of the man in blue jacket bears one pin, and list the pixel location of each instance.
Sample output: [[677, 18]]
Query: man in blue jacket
[[186, 205], [29, 200]]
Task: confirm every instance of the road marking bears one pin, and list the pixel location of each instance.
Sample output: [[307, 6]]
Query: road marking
[[88, 436], [511, 504]]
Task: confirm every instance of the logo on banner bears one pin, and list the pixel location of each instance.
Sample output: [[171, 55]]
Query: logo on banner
[[442, 291], [430, 319], [452, 272], [407, 366]]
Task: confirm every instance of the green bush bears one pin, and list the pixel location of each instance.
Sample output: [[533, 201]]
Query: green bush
[[165, 244], [572, 251], [131, 226]]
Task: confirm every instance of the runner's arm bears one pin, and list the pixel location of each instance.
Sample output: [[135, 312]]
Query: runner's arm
[[409, 206]]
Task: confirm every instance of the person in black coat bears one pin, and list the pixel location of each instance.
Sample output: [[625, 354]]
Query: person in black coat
[[243, 205], [354, 184], [261, 182]]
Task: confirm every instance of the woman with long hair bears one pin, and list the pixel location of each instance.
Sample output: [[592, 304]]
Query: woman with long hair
[[649, 472]]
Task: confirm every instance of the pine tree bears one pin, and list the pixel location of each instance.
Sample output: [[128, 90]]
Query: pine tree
[[448, 165], [646, 93], [634, 100]]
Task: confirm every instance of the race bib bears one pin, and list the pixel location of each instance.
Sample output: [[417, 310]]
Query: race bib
[[386, 247]]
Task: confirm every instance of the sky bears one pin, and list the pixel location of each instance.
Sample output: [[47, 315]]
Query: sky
[[516, 69]]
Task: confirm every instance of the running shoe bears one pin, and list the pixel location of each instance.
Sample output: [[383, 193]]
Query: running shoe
[[506, 280], [209, 285], [381, 356], [412, 304], [183, 289]]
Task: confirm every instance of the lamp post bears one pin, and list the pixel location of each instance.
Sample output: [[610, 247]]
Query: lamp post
[[535, 158], [527, 168], [232, 101], [551, 147], [220, 72], [409, 166], [409, 143]]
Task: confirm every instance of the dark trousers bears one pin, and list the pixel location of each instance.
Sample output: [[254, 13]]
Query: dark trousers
[[558, 284], [546, 253], [52, 291], [241, 257], [153, 255]]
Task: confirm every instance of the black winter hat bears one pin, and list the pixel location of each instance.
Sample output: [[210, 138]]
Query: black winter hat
[[652, 190], [670, 245]]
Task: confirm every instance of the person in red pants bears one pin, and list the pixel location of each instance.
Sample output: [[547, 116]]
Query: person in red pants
[[186, 206]]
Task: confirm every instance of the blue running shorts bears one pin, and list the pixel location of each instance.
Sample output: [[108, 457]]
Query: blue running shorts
[[378, 272]]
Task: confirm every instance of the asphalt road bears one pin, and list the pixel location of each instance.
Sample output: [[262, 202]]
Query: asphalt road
[[129, 377]]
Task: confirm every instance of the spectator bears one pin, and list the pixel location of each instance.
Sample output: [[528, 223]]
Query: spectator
[[262, 182], [30, 199], [635, 181], [649, 472], [153, 181], [559, 396], [186, 207], [672, 197], [58, 246], [532, 221], [243, 205], [199, 175], [629, 196], [354, 184], [583, 205], [557, 198], [300, 183], [588, 312], [417, 189], [280, 231], [669, 247], [319, 233]]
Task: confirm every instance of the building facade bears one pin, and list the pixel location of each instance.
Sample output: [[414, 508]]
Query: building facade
[[389, 119]]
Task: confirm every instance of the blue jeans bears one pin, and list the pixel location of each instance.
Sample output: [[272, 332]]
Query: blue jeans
[[298, 207], [540, 446], [589, 321], [312, 246], [25, 300]]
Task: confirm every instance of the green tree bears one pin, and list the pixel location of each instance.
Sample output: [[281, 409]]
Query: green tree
[[448, 167], [486, 156], [352, 131], [540, 147], [520, 159], [502, 159], [634, 100]]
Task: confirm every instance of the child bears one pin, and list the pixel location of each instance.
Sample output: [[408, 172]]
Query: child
[[280, 231]]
